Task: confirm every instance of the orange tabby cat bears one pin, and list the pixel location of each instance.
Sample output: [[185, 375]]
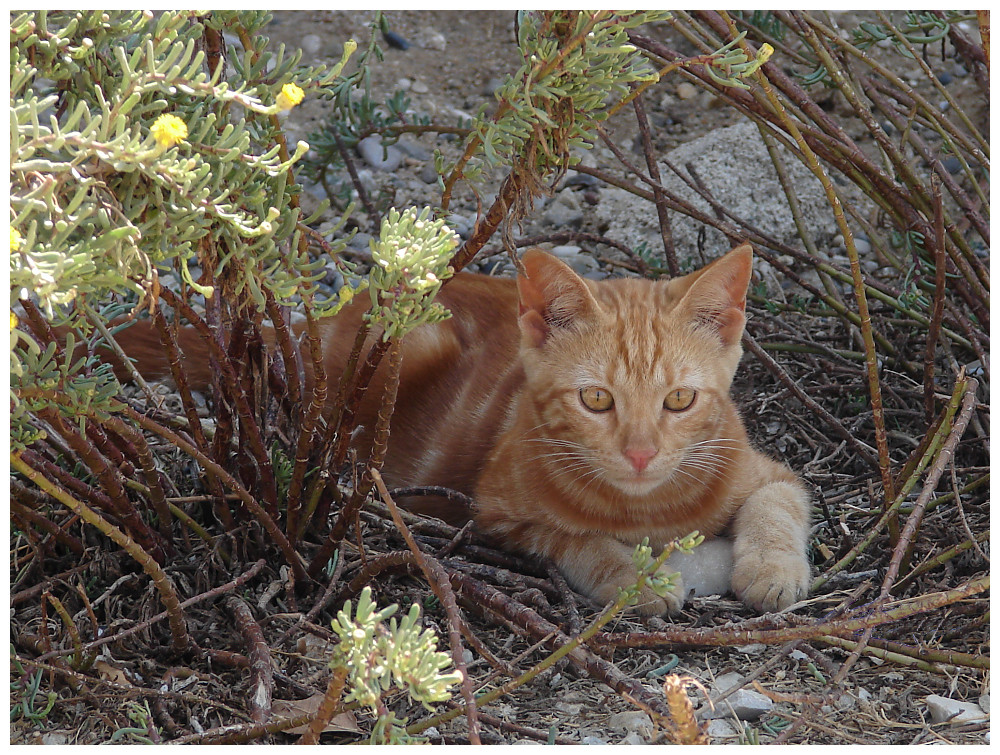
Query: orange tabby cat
[[583, 417]]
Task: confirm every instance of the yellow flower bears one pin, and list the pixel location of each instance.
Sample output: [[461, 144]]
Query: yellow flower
[[169, 130], [15, 240], [346, 293], [290, 96], [13, 320], [764, 53]]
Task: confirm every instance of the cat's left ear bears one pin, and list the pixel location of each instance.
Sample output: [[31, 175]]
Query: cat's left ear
[[718, 297], [551, 296]]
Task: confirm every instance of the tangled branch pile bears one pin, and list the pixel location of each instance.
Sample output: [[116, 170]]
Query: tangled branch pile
[[150, 173]]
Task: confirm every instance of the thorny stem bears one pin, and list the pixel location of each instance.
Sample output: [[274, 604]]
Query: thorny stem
[[871, 355], [437, 578], [891, 511], [237, 395], [261, 674], [966, 389], [660, 201], [308, 431], [328, 708], [262, 517], [740, 634], [375, 460], [178, 625], [570, 647]]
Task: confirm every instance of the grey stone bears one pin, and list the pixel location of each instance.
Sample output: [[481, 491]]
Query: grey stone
[[748, 705], [943, 709], [428, 173], [430, 39], [952, 164], [565, 211], [634, 738], [460, 224], [726, 681], [371, 150], [734, 165], [593, 741], [631, 721], [566, 250], [719, 728], [414, 150], [492, 86], [311, 43]]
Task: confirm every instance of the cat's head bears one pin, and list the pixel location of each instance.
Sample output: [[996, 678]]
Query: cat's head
[[630, 378]]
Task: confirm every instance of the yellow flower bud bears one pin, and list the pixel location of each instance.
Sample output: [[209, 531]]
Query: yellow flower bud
[[13, 320], [764, 53], [169, 130], [15, 240], [289, 96]]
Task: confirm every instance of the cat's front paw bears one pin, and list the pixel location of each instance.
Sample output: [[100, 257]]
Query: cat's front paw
[[771, 581]]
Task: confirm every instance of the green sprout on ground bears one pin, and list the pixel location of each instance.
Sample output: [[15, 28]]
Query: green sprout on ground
[[380, 656]]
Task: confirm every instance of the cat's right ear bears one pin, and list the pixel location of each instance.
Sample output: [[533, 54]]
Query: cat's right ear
[[551, 296]]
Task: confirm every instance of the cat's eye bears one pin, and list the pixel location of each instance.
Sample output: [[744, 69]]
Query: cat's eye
[[596, 399], [679, 399]]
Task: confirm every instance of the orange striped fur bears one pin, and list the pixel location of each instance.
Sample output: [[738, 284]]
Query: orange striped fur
[[492, 403]]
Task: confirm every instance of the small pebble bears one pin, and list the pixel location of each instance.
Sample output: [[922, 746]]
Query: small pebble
[[634, 739], [395, 40], [944, 77], [387, 159], [311, 43], [430, 39], [428, 173], [719, 728], [686, 90], [492, 85], [952, 164], [566, 250], [634, 721], [953, 711]]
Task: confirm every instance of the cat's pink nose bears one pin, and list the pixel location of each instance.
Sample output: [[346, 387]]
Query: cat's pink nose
[[640, 457]]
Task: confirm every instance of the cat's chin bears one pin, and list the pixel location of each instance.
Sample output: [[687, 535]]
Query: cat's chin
[[638, 486]]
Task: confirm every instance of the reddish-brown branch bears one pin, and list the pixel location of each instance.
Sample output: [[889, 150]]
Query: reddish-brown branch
[[261, 676]]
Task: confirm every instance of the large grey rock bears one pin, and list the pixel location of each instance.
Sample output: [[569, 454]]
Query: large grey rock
[[734, 166]]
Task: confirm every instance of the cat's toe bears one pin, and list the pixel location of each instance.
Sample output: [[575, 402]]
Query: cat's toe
[[670, 604], [771, 584]]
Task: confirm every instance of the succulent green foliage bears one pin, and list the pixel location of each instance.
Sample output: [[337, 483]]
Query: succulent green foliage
[[730, 65], [42, 380], [380, 655], [138, 149], [575, 64], [647, 567], [410, 260], [25, 693], [100, 199]]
